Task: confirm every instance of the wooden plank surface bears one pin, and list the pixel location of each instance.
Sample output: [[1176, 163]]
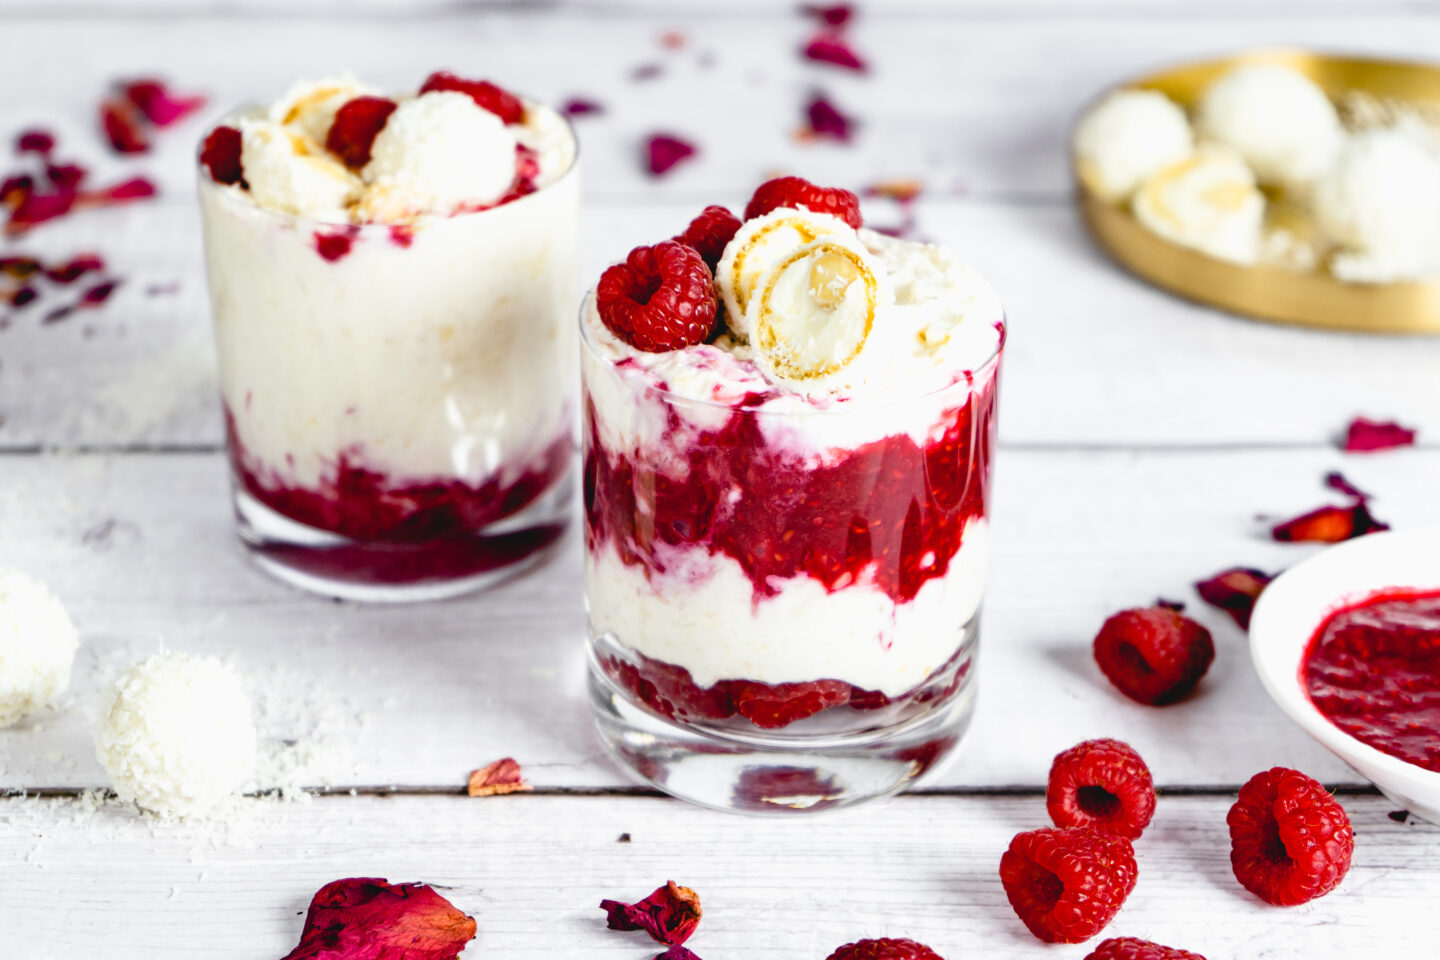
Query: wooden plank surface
[[533, 868]]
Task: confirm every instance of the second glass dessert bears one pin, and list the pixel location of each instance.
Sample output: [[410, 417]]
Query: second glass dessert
[[391, 282], [786, 508]]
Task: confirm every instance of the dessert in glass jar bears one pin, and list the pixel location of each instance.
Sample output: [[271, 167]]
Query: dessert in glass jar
[[788, 423], [392, 280]]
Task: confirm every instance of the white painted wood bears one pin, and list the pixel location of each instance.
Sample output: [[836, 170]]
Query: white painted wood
[[141, 549], [533, 869]]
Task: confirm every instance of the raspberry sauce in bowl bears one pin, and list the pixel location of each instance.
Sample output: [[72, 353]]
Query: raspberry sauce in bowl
[[1347, 643], [1373, 669]]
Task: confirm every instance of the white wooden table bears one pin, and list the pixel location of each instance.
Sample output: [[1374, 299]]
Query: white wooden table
[[1141, 436]]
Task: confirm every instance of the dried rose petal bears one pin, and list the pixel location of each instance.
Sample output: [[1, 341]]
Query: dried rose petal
[[98, 294], [158, 104], [1234, 591], [581, 107], [136, 188], [825, 121], [365, 918], [23, 297], [836, 15], [122, 125], [678, 952], [1177, 605], [20, 267], [672, 40], [75, 268], [355, 128], [36, 208], [500, 777], [35, 141], [14, 189], [66, 176], [221, 156], [1367, 436], [830, 47], [1329, 525], [670, 914], [646, 71], [901, 191], [663, 151], [1336, 481]]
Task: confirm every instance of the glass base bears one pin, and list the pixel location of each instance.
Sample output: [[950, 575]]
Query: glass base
[[752, 772], [379, 571]]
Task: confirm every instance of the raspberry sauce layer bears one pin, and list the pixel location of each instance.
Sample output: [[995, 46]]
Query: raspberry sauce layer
[[1373, 669]]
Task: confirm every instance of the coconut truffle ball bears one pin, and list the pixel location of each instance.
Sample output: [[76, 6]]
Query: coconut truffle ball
[[1209, 202], [37, 646], [177, 736], [1126, 138], [1381, 199], [1280, 122]]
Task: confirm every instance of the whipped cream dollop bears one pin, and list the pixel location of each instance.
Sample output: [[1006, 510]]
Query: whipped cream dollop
[[437, 154]]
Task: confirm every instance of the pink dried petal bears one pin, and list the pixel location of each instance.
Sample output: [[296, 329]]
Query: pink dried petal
[[66, 176], [1367, 436], [75, 268], [663, 151], [158, 104], [829, 47], [646, 71], [670, 914], [15, 188], [672, 40], [1329, 525], [501, 777], [678, 952], [364, 918], [581, 107], [1234, 591], [1336, 481], [826, 121], [122, 125], [98, 294], [901, 191], [37, 208], [835, 15], [23, 297], [35, 141]]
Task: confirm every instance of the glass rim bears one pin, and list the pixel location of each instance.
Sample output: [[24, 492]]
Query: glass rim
[[845, 407], [205, 180]]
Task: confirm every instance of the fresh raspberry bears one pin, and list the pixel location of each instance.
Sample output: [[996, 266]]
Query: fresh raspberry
[[710, 232], [1102, 784], [886, 948], [221, 155], [1133, 948], [1290, 840], [1066, 884], [799, 192], [771, 706], [661, 298], [1153, 655], [355, 128], [486, 95]]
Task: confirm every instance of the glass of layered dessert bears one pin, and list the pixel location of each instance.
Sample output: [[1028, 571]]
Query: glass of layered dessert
[[392, 280], [788, 423]]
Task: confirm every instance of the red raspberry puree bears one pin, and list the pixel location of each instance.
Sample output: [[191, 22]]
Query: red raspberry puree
[[1373, 669]]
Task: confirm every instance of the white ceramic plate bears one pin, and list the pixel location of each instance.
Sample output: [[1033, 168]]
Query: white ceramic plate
[[1292, 608]]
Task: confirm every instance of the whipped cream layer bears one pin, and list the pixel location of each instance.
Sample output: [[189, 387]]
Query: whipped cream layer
[[443, 351], [438, 154], [701, 616]]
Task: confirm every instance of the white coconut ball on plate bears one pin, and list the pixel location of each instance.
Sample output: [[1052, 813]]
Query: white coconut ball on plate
[[1276, 118], [177, 735], [1128, 137], [37, 646], [1381, 201]]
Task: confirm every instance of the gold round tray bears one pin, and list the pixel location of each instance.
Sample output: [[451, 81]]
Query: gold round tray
[[1310, 297]]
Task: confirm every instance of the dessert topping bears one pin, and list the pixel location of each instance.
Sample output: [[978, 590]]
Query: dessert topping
[[710, 232], [661, 298], [758, 245], [356, 125], [801, 194], [487, 96]]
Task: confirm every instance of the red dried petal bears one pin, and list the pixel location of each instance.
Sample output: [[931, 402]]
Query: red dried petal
[[20, 267], [122, 125], [1235, 591], [23, 297], [670, 914], [825, 121], [14, 189], [1337, 481], [1367, 436], [98, 294], [35, 141], [663, 151], [66, 176], [678, 952], [835, 15], [158, 104], [37, 208], [486, 95], [75, 268], [1329, 525], [581, 107], [501, 777], [355, 128], [830, 47], [221, 155], [365, 918], [901, 191], [646, 71]]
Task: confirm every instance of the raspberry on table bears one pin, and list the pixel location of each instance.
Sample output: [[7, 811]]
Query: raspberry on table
[[1153, 655], [356, 125], [1066, 883], [1290, 840], [710, 232], [661, 298], [799, 192], [1102, 784], [886, 948], [487, 96], [1133, 948]]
